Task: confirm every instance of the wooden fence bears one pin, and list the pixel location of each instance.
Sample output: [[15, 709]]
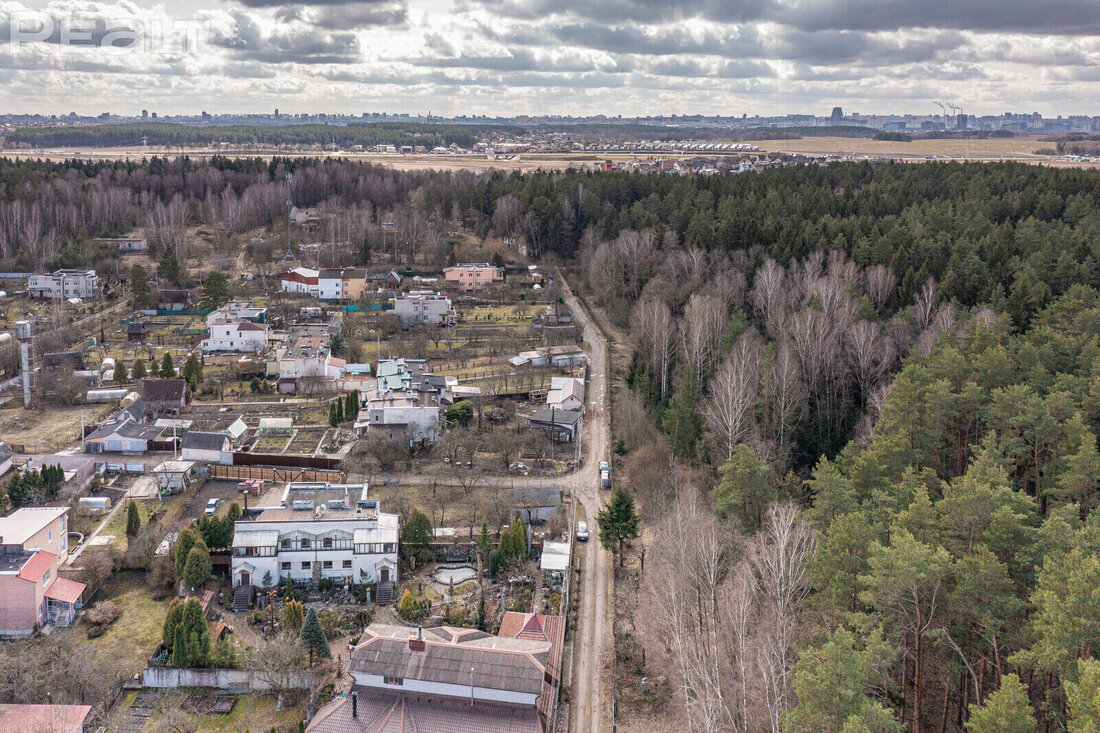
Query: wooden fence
[[270, 473]]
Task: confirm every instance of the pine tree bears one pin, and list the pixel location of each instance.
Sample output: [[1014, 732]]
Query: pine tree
[[313, 637], [333, 417], [1008, 710], [120, 373], [192, 371], [197, 632], [618, 522], [175, 615], [180, 654], [139, 370], [141, 295], [167, 368], [133, 520], [339, 411], [215, 291], [169, 267]]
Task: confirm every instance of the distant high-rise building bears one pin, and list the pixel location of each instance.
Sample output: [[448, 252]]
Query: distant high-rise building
[[961, 121], [154, 115], [276, 113], [837, 116], [144, 114]]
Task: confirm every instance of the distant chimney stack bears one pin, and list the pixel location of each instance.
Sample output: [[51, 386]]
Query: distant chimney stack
[[354, 704]]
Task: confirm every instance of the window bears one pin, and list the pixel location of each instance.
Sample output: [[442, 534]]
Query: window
[[285, 544], [305, 544], [50, 536], [285, 566], [347, 564], [326, 565], [46, 578], [305, 565], [326, 543], [393, 681]]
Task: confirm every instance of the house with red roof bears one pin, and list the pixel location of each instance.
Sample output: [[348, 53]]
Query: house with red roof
[[33, 544], [42, 718]]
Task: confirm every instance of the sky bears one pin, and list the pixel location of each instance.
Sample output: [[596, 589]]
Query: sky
[[569, 57]]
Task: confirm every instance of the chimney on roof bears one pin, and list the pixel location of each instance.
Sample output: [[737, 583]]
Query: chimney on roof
[[354, 704], [417, 644]]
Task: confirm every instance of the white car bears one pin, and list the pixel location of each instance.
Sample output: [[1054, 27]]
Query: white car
[[582, 532], [211, 507]]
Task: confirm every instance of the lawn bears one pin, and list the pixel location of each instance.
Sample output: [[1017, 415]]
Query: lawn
[[252, 712], [117, 526], [131, 639]]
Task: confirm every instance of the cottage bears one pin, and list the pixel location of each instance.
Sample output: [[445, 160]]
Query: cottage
[[64, 284], [137, 331], [239, 337], [207, 447], [561, 425], [165, 394], [566, 393], [33, 543], [125, 436], [299, 280], [124, 244], [423, 308]]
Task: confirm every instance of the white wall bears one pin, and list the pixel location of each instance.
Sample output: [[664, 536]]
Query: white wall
[[446, 690]]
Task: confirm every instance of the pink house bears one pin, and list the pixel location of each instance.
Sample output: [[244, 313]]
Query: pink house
[[473, 276], [38, 718], [33, 543]]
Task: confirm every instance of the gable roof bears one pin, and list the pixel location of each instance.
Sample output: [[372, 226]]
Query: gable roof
[[200, 440], [36, 718], [392, 712], [164, 390], [39, 563], [558, 416], [64, 590], [449, 653]]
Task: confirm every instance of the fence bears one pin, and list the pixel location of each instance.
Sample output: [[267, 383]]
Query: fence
[[277, 459], [280, 475], [172, 677]]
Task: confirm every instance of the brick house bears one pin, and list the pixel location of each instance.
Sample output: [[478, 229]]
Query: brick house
[[33, 544]]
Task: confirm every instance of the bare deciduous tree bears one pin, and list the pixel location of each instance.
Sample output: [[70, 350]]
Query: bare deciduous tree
[[730, 409]]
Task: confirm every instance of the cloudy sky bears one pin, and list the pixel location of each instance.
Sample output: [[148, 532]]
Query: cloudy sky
[[550, 56]]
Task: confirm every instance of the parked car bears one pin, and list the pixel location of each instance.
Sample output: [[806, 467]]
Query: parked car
[[582, 532], [212, 507]]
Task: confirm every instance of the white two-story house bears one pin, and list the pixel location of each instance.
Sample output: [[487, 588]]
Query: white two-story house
[[315, 530]]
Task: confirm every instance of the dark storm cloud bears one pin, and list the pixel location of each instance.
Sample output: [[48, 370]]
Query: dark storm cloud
[[361, 15], [295, 43], [844, 47], [727, 70]]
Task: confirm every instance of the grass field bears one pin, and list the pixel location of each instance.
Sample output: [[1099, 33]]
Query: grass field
[[133, 637], [991, 148], [252, 712]]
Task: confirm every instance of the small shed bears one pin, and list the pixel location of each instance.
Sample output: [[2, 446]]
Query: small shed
[[174, 476], [276, 427], [555, 557], [206, 447], [136, 331], [236, 431]]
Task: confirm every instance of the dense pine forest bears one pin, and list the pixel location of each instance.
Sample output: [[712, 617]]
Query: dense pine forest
[[860, 418]]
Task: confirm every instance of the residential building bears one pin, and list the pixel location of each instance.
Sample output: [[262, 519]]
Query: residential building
[[423, 307], [206, 447], [386, 280], [124, 244], [165, 394], [136, 331], [314, 530], [236, 310], [239, 337], [560, 425], [299, 280], [473, 276], [43, 718], [447, 679], [124, 432], [33, 543], [306, 357], [341, 284], [400, 417], [566, 393], [64, 284]]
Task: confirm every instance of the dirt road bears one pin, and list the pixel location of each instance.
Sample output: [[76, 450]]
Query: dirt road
[[592, 647]]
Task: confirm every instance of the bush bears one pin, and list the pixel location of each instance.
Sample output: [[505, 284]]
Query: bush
[[103, 613], [412, 609]]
